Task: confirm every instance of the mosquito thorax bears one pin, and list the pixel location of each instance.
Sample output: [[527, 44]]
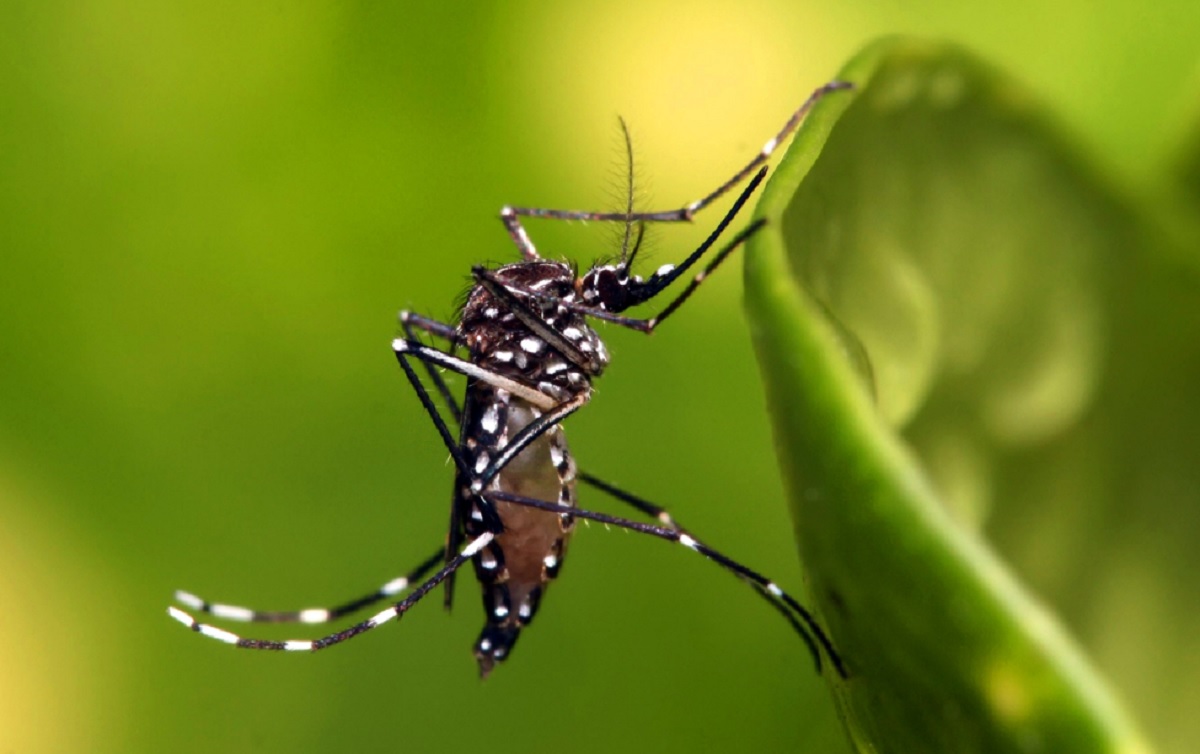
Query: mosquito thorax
[[498, 339]]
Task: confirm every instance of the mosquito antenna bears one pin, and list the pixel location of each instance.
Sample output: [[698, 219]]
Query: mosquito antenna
[[626, 253]]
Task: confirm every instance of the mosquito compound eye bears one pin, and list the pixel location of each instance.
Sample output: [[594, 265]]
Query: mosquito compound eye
[[609, 288]]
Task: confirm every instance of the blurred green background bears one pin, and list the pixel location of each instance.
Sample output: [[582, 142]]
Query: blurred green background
[[212, 212]]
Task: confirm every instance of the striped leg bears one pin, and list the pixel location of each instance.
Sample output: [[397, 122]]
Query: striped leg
[[555, 413], [645, 290], [645, 506], [779, 602], [528, 434], [311, 645], [312, 615], [511, 216], [404, 347], [811, 630], [797, 616], [664, 517], [411, 322], [685, 213]]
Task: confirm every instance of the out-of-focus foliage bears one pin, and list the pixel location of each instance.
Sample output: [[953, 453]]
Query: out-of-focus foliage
[[940, 297], [210, 215]]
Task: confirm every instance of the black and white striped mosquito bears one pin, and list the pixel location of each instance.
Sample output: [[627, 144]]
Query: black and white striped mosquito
[[531, 356]]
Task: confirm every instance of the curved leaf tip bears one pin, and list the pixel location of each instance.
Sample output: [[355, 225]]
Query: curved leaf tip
[[927, 296]]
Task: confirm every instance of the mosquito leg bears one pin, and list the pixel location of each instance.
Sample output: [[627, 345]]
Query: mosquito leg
[[530, 432], [688, 211], [516, 231], [554, 412], [427, 403], [535, 397], [479, 479], [645, 506], [311, 645], [813, 631], [411, 322], [454, 533], [664, 517], [639, 291], [311, 615]]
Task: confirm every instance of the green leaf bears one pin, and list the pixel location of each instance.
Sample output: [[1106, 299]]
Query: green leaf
[[1187, 169], [929, 298]]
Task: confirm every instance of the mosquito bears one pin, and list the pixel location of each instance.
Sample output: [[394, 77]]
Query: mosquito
[[531, 355]]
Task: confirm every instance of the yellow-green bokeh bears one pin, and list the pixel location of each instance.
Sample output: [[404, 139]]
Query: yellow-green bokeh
[[211, 213]]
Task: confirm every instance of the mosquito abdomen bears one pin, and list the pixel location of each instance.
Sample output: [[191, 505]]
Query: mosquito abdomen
[[516, 567]]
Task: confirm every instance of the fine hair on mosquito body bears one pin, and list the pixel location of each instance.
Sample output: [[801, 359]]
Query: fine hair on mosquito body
[[525, 345]]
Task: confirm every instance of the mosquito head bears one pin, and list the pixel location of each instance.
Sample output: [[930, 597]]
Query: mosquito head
[[605, 287], [611, 287]]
